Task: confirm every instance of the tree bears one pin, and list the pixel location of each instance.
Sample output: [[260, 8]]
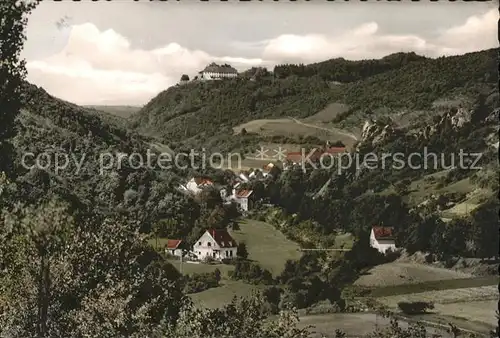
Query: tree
[[242, 251], [14, 18], [217, 275], [402, 186], [102, 278], [184, 77]]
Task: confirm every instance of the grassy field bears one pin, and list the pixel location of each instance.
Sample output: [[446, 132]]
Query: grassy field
[[295, 128], [439, 285], [282, 127], [190, 268], [266, 245], [397, 273], [476, 304], [222, 295], [328, 114], [445, 296], [479, 311]]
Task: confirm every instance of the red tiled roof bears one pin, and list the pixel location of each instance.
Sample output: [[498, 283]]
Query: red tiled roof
[[335, 150], [316, 154], [222, 237], [383, 232], [294, 157], [203, 181], [244, 193], [173, 243]]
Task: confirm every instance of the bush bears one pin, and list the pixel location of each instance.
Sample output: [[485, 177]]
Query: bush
[[392, 255], [201, 282], [251, 272], [242, 251], [411, 308]]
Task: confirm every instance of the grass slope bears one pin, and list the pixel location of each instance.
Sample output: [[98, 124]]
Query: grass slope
[[266, 245]]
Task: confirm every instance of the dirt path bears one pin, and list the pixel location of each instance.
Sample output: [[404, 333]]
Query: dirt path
[[331, 130]]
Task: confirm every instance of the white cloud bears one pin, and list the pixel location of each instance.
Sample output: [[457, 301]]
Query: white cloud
[[477, 33], [102, 67], [96, 67]]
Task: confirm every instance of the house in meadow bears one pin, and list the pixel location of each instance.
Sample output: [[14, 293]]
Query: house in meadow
[[216, 244]]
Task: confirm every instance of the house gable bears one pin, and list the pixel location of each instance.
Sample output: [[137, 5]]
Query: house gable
[[204, 241]]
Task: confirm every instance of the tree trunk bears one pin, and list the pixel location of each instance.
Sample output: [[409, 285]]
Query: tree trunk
[[43, 296]]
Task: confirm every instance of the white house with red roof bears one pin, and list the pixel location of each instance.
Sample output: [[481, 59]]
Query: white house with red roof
[[197, 184], [173, 247], [242, 197], [217, 244], [382, 239]]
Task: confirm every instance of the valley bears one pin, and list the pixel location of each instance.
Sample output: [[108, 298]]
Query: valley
[[263, 248]]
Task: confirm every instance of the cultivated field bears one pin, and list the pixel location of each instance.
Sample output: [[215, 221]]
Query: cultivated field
[[474, 305], [294, 128], [282, 127], [266, 245], [397, 273], [479, 311], [451, 296]]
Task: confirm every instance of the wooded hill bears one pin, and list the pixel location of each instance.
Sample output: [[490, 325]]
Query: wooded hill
[[206, 111]]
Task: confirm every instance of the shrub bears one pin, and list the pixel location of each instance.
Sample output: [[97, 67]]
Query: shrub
[[411, 308], [251, 272], [201, 282], [242, 251]]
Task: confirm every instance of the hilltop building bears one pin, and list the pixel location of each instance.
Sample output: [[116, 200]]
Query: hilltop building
[[218, 72], [184, 79]]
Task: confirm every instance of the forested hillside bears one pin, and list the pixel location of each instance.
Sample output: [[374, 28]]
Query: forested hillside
[[76, 258], [201, 111]]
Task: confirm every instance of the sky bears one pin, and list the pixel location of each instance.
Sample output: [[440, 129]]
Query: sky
[[126, 52]]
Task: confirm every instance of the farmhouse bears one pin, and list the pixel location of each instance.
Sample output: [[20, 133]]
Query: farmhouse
[[173, 247], [215, 72], [243, 198], [382, 239], [215, 243]]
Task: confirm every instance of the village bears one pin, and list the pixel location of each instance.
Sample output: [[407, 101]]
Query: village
[[218, 244]]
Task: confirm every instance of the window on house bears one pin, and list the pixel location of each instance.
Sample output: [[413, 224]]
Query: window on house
[[227, 253], [209, 244], [231, 253], [199, 243]]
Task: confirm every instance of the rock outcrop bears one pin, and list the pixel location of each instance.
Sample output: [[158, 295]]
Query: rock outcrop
[[375, 132]]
